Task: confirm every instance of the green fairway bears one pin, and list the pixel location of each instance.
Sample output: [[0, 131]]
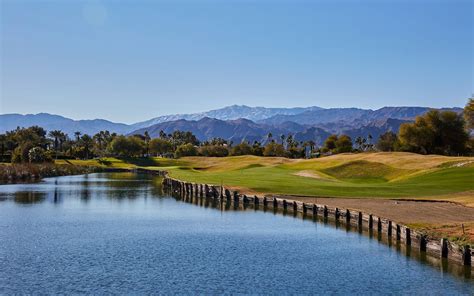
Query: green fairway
[[367, 175]]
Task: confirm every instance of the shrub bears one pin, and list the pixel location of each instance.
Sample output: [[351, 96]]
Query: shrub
[[186, 150], [213, 150], [241, 149], [36, 155], [274, 149]]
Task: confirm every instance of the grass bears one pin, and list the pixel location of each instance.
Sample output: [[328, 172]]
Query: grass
[[363, 175]]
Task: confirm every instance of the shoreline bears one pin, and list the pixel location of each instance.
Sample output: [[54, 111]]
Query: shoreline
[[401, 232], [393, 230]]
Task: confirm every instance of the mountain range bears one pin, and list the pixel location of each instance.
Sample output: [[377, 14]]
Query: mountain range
[[237, 123]]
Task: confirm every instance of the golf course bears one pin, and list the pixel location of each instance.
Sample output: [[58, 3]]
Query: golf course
[[360, 175], [430, 192]]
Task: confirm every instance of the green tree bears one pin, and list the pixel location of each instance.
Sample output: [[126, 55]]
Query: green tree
[[435, 132], [160, 146], [186, 150], [387, 142], [37, 155], [241, 149], [274, 149], [127, 146], [343, 144], [330, 143]]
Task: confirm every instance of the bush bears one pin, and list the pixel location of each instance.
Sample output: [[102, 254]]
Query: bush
[[241, 149], [37, 155], [20, 154], [186, 150], [274, 149], [213, 150]]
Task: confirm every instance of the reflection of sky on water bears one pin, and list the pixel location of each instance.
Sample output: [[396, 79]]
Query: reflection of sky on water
[[117, 187]]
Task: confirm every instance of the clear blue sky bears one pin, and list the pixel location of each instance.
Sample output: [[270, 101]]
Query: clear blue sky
[[129, 61]]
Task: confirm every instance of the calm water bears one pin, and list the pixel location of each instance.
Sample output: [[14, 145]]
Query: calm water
[[116, 233]]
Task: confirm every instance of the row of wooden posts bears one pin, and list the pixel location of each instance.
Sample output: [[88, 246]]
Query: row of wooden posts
[[403, 234]]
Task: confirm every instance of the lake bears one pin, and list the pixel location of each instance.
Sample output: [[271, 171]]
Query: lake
[[118, 233]]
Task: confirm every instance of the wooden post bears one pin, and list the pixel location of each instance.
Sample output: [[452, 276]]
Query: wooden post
[[236, 198], [466, 256], [265, 201], [275, 203], [398, 232], [336, 214], [304, 209], [389, 230], [255, 201], [444, 248], [371, 222], [360, 220], [408, 236], [245, 199], [423, 243], [348, 217], [295, 207], [379, 225], [285, 205], [315, 210], [325, 212]]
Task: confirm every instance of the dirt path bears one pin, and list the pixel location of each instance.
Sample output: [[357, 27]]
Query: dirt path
[[401, 211]]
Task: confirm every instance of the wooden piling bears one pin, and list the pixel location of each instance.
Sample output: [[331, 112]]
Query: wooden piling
[[325, 212], [336, 214], [423, 243], [285, 205], [408, 236], [348, 217], [275, 203], [371, 222], [389, 230], [466, 256], [398, 232], [444, 248], [359, 222], [379, 225]]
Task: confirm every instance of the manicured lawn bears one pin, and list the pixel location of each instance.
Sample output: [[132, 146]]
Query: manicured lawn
[[366, 175]]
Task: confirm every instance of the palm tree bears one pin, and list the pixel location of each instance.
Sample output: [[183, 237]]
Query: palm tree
[[78, 135], [359, 142], [56, 135], [269, 137], [282, 137], [147, 139], [86, 142]]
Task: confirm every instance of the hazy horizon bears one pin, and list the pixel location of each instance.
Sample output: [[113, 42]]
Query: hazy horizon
[[132, 61]]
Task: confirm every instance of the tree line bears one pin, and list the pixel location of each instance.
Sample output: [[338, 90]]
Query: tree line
[[435, 132]]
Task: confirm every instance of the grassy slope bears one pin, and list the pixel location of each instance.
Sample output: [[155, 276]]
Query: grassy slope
[[366, 175]]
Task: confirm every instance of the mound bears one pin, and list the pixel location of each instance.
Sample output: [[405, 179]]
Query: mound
[[362, 170]]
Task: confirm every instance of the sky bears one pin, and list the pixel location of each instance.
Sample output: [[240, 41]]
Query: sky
[[129, 61]]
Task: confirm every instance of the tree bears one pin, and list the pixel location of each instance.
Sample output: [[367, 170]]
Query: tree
[[57, 136], [435, 132], [213, 151], [274, 149], [387, 142], [77, 135], [127, 146], [160, 146], [343, 144], [86, 142], [269, 137], [469, 114], [330, 143], [186, 150], [36, 155], [241, 149]]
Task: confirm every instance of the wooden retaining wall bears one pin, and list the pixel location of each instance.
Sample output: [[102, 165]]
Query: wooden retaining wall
[[393, 230]]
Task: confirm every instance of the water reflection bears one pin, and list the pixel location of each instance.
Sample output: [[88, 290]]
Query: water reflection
[[29, 197]]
